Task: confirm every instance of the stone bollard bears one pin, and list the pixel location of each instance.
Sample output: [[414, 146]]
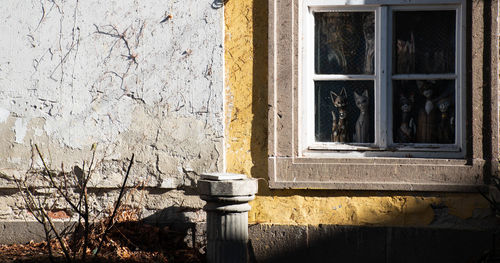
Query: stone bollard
[[227, 207]]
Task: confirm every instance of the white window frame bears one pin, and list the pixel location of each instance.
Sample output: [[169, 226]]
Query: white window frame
[[382, 77]]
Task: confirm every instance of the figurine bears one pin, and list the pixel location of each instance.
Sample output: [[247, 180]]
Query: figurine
[[446, 125], [363, 123], [427, 119], [407, 129], [369, 31], [406, 55], [339, 128]]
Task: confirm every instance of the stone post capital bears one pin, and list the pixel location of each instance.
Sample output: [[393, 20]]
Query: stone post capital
[[226, 185]]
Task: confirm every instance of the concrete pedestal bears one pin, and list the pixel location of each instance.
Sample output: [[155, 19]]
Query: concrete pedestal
[[227, 207]]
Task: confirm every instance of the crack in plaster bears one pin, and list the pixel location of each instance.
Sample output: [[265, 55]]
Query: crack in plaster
[[84, 77]]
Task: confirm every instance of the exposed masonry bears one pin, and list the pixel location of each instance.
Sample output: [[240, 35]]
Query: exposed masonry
[[143, 77]]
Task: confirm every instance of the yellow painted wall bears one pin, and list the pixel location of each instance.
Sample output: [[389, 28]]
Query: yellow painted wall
[[246, 140]]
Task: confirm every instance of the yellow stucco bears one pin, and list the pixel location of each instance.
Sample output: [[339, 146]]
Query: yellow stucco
[[246, 146]]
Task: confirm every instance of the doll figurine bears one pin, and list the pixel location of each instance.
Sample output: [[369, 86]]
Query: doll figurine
[[427, 116], [445, 129]]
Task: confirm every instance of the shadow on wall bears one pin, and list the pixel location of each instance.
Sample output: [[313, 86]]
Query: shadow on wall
[[260, 106], [260, 114], [260, 95], [329, 243], [178, 225]]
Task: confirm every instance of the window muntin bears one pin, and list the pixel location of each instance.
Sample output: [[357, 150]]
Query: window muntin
[[296, 160], [397, 79]]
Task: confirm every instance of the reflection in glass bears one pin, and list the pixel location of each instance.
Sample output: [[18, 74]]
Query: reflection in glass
[[424, 111], [424, 42], [344, 111], [345, 42]]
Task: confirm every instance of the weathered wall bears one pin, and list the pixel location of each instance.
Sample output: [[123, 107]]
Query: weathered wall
[[246, 120], [143, 77], [147, 78]]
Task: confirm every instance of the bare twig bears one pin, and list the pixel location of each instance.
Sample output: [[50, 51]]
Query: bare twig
[[64, 248], [40, 207], [31, 206], [494, 204], [84, 195], [57, 187], [117, 205], [38, 211], [130, 56]]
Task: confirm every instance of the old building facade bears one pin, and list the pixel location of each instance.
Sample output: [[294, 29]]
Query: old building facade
[[208, 86]]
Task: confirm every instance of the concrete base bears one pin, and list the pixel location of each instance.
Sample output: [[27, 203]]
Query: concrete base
[[22, 232], [330, 243]]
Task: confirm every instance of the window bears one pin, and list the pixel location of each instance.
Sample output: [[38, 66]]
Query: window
[[382, 80], [375, 95]]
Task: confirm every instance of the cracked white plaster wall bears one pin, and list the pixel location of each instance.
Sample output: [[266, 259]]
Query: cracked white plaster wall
[[84, 66], [142, 77]]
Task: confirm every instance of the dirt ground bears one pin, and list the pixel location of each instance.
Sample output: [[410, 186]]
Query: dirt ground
[[126, 242]]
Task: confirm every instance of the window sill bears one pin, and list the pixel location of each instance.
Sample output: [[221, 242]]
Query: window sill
[[446, 168], [378, 173]]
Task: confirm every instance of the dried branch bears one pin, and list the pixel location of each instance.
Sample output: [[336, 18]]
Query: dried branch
[[40, 208], [57, 187], [34, 209], [493, 203], [116, 34], [64, 248], [84, 196], [117, 205]]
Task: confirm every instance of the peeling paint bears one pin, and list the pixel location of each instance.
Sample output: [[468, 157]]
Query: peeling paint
[[85, 69], [74, 74], [4, 114], [20, 128]]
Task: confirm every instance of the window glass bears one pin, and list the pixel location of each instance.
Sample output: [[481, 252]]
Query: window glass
[[349, 88], [345, 42], [424, 111], [344, 111], [424, 42]]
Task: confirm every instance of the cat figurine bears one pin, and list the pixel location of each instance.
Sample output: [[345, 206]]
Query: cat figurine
[[339, 127], [369, 34], [362, 127], [407, 129]]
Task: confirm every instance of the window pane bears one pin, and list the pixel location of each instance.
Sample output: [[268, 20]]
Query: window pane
[[424, 111], [344, 111], [424, 42], [344, 42]]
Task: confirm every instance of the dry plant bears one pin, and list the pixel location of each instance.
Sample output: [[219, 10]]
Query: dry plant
[[73, 189], [493, 197]]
